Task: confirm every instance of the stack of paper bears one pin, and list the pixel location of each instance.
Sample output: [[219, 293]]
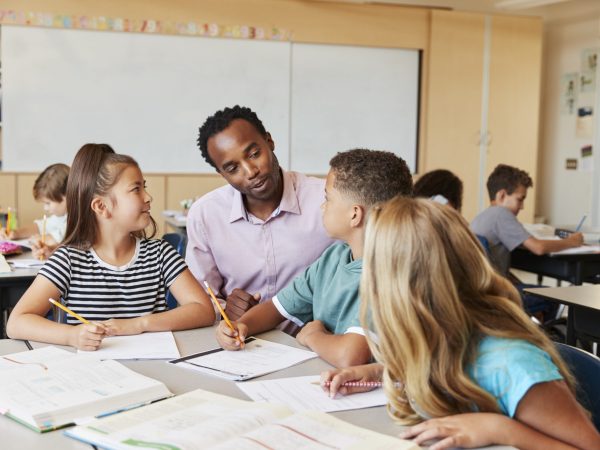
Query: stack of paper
[[159, 345], [302, 394], [258, 357]]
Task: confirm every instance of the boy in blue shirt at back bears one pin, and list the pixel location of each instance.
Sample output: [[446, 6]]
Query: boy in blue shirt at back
[[324, 299]]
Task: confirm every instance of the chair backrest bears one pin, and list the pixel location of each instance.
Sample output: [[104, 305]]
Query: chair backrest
[[586, 369], [178, 241], [484, 243]]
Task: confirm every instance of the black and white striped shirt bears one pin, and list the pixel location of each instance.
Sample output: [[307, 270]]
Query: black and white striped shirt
[[99, 291]]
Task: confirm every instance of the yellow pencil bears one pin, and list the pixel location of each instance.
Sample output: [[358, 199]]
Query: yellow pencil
[[44, 230], [222, 311], [68, 311]]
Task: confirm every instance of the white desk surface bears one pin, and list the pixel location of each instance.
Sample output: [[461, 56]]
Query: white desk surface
[[587, 296], [180, 380], [20, 272]]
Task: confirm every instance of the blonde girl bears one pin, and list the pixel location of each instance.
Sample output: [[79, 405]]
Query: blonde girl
[[107, 270], [454, 333]]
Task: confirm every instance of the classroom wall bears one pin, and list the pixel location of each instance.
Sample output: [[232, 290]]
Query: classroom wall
[[564, 195], [310, 21]]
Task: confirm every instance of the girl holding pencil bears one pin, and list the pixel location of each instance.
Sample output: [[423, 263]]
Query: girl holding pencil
[[459, 359], [107, 271]]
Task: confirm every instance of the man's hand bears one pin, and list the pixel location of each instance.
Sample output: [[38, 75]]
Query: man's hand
[[316, 326], [238, 302]]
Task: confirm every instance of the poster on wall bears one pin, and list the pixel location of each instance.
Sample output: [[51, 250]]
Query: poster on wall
[[587, 162], [589, 61], [568, 92], [585, 124]]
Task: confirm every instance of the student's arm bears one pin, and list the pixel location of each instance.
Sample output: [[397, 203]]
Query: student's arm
[[195, 311], [339, 350], [27, 320], [263, 317], [548, 417], [20, 233], [543, 246]]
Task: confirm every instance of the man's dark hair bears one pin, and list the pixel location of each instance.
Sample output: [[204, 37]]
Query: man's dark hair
[[441, 182], [509, 178], [222, 119], [370, 176]]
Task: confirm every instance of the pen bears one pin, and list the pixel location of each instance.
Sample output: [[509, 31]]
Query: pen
[[581, 222], [222, 311], [68, 311]]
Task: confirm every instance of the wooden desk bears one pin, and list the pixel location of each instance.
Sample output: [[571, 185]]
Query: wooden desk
[[12, 286], [584, 307], [180, 380]]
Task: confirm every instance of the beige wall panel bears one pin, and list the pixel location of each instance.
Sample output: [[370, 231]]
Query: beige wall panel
[[180, 187], [27, 208], [454, 99], [155, 184], [515, 73], [310, 21], [8, 191]]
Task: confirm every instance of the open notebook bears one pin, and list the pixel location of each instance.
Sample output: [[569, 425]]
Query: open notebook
[[202, 419], [49, 388]]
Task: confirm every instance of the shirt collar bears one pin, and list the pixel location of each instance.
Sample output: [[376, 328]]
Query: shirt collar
[[289, 200]]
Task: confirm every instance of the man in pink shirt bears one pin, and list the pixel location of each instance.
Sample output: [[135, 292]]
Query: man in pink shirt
[[249, 239]]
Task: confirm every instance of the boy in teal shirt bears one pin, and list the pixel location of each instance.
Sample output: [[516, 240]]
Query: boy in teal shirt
[[324, 299]]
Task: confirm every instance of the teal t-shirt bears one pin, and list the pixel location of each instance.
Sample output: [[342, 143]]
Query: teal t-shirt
[[326, 291], [508, 368]]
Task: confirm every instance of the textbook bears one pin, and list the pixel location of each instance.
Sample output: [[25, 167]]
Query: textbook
[[203, 420], [48, 388]]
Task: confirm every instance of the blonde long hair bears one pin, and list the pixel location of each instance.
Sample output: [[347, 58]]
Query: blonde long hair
[[430, 293]]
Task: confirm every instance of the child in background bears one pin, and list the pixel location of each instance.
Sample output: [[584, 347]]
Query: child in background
[[49, 188], [507, 187], [324, 300], [456, 351], [442, 186], [106, 270]]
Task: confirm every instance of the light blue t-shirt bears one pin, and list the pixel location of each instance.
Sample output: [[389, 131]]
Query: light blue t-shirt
[[508, 368], [326, 291]]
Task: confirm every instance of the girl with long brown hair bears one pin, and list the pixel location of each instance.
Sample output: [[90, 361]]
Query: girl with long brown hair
[[460, 360], [106, 270]]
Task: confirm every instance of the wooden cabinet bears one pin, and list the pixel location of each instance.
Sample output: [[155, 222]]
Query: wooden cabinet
[[483, 99]]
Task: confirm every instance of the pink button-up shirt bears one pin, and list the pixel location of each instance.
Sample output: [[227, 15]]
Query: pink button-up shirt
[[230, 248]]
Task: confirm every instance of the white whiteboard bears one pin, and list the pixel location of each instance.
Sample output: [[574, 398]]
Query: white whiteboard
[[347, 97], [146, 95]]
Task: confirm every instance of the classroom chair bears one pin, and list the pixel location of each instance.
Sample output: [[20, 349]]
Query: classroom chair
[[178, 241], [586, 369], [484, 243]]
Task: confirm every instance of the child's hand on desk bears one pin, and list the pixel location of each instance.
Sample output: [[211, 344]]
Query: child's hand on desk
[[332, 380], [227, 338], [461, 430], [7, 236], [238, 302], [88, 336], [123, 327], [576, 239]]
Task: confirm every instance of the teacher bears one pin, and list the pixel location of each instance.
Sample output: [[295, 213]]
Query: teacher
[[250, 238]]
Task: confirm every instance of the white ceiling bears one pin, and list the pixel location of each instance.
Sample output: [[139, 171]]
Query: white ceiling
[[548, 9]]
